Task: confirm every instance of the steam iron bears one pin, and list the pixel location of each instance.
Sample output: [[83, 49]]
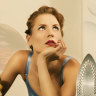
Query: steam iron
[[86, 79]]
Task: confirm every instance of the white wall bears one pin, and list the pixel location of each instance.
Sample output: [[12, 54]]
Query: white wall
[[16, 12], [89, 28]]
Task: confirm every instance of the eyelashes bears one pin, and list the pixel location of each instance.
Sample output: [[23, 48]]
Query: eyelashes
[[56, 28], [44, 28], [41, 28]]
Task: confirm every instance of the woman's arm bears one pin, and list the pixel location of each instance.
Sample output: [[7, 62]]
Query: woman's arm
[[10, 72], [70, 73], [48, 88], [46, 85]]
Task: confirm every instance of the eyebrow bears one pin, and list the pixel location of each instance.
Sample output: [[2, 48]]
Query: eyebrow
[[56, 25], [46, 25], [42, 25]]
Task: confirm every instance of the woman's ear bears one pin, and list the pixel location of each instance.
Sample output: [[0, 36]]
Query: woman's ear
[[28, 38]]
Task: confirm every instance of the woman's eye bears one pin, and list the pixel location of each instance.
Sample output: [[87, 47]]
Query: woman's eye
[[42, 28], [55, 28]]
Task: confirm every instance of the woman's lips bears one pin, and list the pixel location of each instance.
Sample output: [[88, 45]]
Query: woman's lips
[[50, 42]]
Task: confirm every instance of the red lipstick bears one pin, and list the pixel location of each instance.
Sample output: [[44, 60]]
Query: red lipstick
[[50, 42]]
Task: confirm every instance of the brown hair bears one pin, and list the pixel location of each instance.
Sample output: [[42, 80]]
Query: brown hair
[[43, 10]]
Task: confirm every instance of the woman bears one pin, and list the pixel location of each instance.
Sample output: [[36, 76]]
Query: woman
[[45, 70]]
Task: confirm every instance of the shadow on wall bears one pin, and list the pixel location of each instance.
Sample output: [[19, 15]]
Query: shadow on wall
[[10, 42]]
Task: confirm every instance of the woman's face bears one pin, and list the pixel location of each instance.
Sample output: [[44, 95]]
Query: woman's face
[[46, 27]]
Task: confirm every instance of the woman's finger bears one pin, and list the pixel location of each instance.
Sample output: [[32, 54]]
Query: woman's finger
[[61, 50], [64, 45]]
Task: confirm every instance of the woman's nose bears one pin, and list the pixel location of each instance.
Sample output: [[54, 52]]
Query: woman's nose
[[50, 33]]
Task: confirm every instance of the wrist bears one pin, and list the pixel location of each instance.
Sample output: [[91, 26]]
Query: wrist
[[40, 60]]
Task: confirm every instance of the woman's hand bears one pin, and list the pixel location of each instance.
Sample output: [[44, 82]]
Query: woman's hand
[[53, 53]]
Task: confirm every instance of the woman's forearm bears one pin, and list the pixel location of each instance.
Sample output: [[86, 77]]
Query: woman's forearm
[[46, 85]]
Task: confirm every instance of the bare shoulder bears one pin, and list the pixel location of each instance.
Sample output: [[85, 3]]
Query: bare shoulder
[[70, 73], [71, 69], [72, 63], [16, 63], [21, 57]]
